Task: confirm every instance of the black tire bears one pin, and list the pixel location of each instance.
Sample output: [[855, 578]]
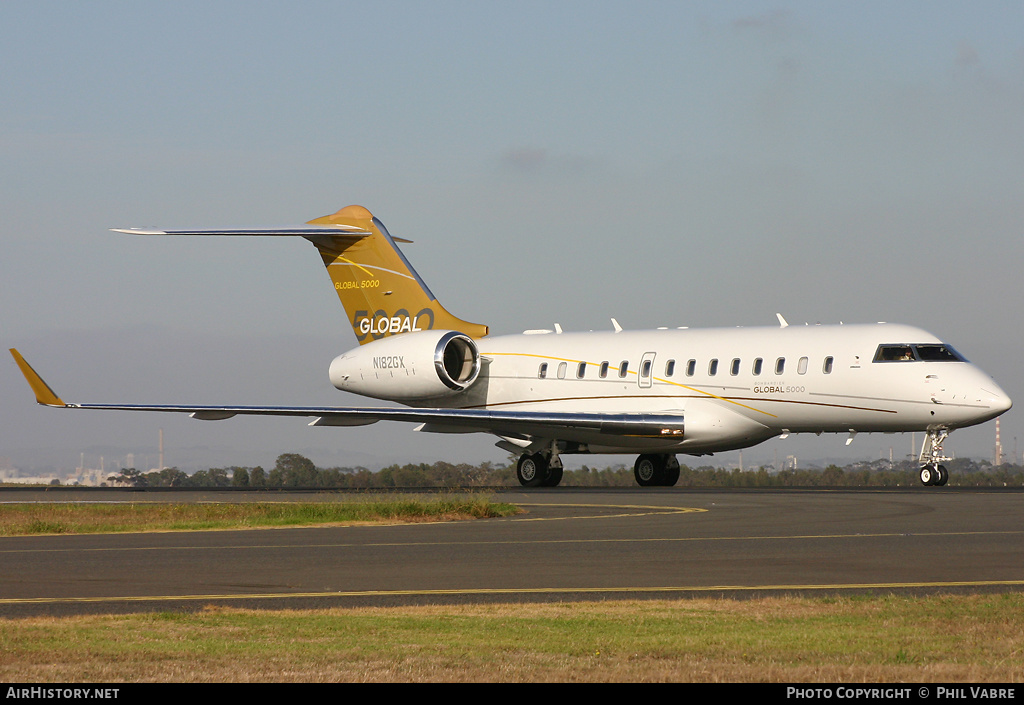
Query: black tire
[[649, 470], [928, 475], [671, 477], [532, 470], [554, 477], [943, 476]]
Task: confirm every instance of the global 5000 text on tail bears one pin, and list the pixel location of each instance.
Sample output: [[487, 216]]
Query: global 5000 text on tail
[[650, 393]]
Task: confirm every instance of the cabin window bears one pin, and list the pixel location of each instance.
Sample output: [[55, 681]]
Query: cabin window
[[561, 370], [758, 364], [645, 369], [735, 369], [604, 369], [691, 368], [713, 368], [581, 370], [543, 371], [670, 368], [623, 368], [780, 365], [801, 366], [827, 367]]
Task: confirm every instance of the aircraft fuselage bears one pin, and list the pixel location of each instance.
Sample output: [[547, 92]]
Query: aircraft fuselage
[[734, 387], [656, 393]]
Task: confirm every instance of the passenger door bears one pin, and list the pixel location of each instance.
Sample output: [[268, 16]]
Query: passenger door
[[645, 375]]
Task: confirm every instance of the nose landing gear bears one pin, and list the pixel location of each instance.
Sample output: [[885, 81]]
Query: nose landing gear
[[932, 471]]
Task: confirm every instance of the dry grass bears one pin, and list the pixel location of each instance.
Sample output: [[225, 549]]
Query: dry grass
[[976, 638], [115, 517]]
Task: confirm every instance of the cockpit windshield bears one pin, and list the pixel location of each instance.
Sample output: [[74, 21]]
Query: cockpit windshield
[[927, 352], [938, 353]]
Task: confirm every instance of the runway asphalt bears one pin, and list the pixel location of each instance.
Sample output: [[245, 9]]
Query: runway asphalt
[[573, 544]]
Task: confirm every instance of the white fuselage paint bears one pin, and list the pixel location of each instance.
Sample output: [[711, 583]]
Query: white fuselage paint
[[724, 410]]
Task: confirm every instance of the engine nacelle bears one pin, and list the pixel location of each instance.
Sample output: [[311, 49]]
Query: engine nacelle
[[419, 365], [711, 427]]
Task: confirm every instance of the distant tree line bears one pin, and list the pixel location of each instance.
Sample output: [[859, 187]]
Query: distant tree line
[[296, 471]]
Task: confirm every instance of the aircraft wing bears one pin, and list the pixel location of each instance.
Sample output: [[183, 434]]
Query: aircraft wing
[[504, 423]]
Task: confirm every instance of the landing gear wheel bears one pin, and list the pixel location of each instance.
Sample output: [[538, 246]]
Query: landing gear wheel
[[671, 476], [554, 477], [649, 470], [943, 476], [929, 475], [532, 470]]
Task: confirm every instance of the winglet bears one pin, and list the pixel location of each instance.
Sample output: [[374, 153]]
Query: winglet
[[44, 395]]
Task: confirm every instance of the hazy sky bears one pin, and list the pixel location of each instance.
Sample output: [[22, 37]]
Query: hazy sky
[[665, 163]]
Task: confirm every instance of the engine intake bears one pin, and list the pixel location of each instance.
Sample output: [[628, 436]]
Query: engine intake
[[419, 365], [456, 360]]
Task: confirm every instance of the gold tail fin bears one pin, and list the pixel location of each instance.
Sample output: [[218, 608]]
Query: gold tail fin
[[381, 292]]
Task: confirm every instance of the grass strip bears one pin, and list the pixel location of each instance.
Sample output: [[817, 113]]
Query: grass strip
[[888, 639], [119, 517]]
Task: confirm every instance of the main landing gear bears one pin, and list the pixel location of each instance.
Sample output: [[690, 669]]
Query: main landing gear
[[652, 470], [545, 470], [539, 470], [932, 471]]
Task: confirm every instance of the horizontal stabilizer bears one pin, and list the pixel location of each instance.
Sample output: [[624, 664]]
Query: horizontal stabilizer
[[371, 277], [296, 231]]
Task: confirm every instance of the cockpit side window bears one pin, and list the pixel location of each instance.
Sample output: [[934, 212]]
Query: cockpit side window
[[894, 353]]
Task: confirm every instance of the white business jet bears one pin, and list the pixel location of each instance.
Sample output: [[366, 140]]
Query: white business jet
[[652, 393]]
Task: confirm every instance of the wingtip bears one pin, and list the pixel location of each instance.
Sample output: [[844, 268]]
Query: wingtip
[[137, 231], [44, 395]]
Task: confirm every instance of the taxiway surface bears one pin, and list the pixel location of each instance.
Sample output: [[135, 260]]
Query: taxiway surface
[[572, 544]]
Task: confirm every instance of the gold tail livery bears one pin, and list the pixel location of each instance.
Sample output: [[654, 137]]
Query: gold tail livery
[[381, 292], [654, 393]]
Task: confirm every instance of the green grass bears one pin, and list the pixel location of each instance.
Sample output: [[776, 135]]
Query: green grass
[[83, 518], [939, 638]]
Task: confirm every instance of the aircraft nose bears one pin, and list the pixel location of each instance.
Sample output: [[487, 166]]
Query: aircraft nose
[[1000, 400], [985, 399]]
